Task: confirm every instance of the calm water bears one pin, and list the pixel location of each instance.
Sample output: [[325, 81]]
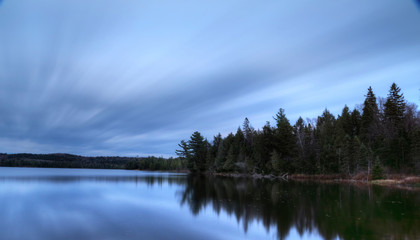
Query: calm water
[[116, 204]]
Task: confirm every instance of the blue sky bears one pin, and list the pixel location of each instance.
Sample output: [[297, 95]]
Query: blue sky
[[132, 77]]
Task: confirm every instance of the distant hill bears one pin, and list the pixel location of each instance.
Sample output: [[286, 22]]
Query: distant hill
[[61, 160]]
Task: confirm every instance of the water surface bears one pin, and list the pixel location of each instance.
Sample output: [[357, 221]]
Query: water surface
[[117, 204]]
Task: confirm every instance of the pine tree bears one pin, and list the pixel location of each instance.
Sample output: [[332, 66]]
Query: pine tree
[[285, 139], [345, 121], [248, 134], [214, 152], [194, 152], [310, 165], [349, 144], [355, 165], [249, 164], [220, 158], [394, 105], [348, 155], [377, 170], [229, 165], [415, 149], [268, 145], [340, 144], [299, 132], [326, 137], [277, 163], [370, 116], [184, 151], [356, 122], [396, 143]]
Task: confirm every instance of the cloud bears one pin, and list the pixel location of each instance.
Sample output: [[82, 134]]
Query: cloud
[[134, 78]]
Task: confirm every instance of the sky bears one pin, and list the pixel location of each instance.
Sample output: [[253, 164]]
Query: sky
[[134, 77]]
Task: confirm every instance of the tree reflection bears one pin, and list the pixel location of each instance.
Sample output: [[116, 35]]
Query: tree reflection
[[333, 210]]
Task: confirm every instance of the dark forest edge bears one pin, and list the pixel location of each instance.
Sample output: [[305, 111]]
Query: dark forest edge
[[60, 160], [379, 140]]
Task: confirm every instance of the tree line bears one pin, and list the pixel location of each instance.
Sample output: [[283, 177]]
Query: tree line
[[383, 135], [157, 163], [59, 160]]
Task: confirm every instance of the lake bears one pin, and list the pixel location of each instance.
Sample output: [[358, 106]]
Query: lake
[[87, 204]]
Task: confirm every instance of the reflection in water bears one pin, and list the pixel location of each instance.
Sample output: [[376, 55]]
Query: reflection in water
[[149, 180], [108, 204], [332, 210]]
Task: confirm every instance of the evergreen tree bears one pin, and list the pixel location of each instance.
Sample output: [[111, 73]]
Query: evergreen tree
[[347, 155], [340, 144], [198, 147], [277, 163], [284, 139], [395, 141], [229, 165], [395, 105], [248, 134], [220, 158], [415, 150], [355, 165], [262, 147], [310, 165], [365, 158], [195, 152], [389, 129], [249, 164], [299, 132], [185, 153], [356, 122], [370, 118], [327, 152], [345, 121], [377, 170], [214, 152]]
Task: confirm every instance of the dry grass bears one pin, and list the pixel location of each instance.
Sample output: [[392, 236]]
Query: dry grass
[[393, 180], [319, 177], [362, 178]]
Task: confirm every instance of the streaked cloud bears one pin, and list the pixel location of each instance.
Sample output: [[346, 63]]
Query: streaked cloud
[[135, 77]]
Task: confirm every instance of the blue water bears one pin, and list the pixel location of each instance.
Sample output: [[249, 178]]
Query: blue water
[[106, 204], [118, 204]]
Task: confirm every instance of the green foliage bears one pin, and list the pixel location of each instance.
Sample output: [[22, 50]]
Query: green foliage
[[377, 170], [346, 144], [59, 160], [395, 105], [249, 164], [229, 165], [74, 161], [277, 163], [195, 153], [157, 163], [370, 116]]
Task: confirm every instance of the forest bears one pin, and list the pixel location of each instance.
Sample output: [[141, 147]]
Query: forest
[[381, 136], [60, 160]]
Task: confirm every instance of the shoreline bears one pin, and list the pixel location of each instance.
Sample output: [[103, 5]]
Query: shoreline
[[390, 180]]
